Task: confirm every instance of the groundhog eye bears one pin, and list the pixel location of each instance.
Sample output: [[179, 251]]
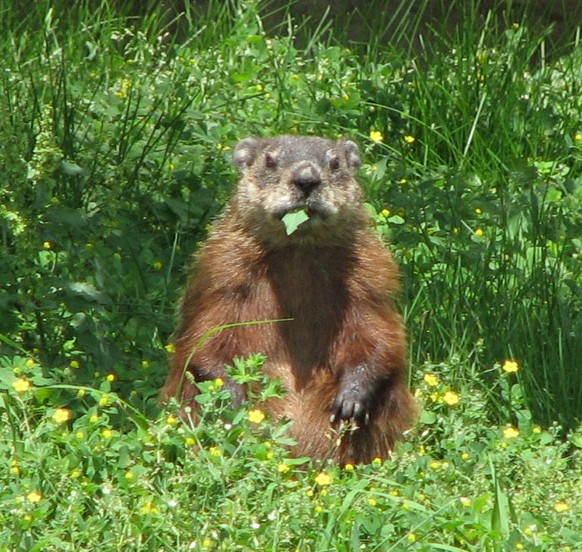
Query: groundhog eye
[[270, 161], [334, 163]]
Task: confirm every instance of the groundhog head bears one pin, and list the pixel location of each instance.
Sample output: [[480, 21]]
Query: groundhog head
[[286, 174]]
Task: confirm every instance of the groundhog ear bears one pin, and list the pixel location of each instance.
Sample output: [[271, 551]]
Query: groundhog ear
[[352, 153], [246, 152]]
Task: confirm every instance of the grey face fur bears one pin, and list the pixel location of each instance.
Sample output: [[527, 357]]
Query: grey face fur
[[288, 173]]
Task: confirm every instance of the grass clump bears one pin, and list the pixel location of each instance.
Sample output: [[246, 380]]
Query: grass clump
[[115, 142]]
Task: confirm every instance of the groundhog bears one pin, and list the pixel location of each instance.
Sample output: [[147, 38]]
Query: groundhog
[[341, 352]]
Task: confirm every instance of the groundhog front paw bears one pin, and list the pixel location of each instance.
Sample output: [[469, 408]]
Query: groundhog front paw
[[351, 404]]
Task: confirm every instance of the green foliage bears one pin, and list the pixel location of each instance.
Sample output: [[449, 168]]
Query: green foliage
[[115, 138], [96, 473]]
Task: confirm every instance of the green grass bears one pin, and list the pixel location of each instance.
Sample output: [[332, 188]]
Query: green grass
[[115, 142]]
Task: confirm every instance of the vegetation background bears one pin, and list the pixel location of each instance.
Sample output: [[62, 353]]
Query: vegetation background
[[116, 125]]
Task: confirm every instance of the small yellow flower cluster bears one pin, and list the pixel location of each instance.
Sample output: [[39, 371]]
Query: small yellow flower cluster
[[376, 136], [409, 139], [561, 506], [450, 398], [256, 416], [432, 380], [283, 468], [215, 451], [510, 366], [172, 420], [216, 385], [149, 508], [447, 396], [510, 432], [323, 479], [34, 497], [124, 89], [61, 415], [21, 385]]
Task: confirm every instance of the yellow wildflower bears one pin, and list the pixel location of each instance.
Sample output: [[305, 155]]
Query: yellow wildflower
[[411, 537], [74, 364], [385, 213], [34, 497], [323, 479], [349, 467], [107, 433], [409, 139], [510, 432], [47, 245], [149, 508], [451, 398], [256, 416], [376, 136], [560, 507], [170, 347], [432, 380], [215, 451], [479, 232], [510, 366], [283, 468], [578, 137], [110, 377], [61, 415], [21, 385]]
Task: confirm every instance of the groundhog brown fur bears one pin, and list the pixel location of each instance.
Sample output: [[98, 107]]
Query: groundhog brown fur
[[342, 356]]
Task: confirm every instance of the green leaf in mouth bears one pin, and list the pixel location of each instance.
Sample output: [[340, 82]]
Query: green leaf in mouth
[[294, 219]]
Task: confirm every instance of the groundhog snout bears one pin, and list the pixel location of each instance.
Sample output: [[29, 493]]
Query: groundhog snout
[[306, 177]]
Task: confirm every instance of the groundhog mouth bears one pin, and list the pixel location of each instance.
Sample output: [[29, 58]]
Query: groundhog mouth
[[312, 211]]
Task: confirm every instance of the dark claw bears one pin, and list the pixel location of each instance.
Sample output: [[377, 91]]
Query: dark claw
[[351, 405]]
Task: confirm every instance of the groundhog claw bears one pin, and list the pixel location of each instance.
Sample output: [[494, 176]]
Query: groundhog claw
[[347, 406]]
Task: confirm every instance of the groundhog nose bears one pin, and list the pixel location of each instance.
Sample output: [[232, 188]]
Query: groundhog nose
[[307, 178]]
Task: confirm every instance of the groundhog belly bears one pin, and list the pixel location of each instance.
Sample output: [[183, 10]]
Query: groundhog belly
[[336, 340]]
